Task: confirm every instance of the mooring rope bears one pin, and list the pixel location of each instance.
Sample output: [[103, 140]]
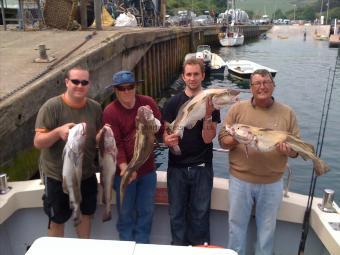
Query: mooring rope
[[321, 136]]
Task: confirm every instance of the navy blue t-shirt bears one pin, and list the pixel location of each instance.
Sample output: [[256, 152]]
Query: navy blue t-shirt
[[194, 150]]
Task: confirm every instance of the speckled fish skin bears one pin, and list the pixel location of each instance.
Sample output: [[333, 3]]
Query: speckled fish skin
[[146, 127], [72, 168], [108, 161], [266, 139], [195, 109]]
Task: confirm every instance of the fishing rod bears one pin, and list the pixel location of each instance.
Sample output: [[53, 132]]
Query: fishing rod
[[321, 136]]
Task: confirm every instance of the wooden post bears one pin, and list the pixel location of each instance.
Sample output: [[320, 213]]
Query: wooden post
[[83, 14], [98, 14]]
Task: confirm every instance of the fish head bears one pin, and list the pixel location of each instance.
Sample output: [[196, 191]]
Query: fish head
[[145, 114], [77, 136], [225, 97], [109, 139], [242, 133]]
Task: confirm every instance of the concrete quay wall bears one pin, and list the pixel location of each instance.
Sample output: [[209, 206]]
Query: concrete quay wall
[[155, 54]]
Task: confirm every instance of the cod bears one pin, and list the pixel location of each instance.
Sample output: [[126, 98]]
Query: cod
[[107, 161], [264, 140], [72, 168], [146, 127], [195, 109]]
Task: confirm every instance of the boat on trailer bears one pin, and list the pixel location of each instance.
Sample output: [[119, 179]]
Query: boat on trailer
[[23, 222], [242, 69]]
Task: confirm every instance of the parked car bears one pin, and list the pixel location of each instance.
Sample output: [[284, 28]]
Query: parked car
[[203, 20]]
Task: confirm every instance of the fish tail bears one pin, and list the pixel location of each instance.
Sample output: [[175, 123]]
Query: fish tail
[[107, 213], [122, 188], [320, 167], [107, 216], [176, 150], [76, 217]]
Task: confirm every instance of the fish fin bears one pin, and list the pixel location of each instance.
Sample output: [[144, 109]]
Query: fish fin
[[320, 167], [65, 185], [101, 142], [191, 125], [77, 194], [246, 150], [265, 129]]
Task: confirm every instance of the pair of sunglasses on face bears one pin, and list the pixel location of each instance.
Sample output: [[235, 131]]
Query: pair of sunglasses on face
[[126, 88], [81, 82]]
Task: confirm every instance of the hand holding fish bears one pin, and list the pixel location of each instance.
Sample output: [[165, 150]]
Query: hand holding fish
[[171, 140], [209, 107], [123, 168], [64, 130], [285, 149]]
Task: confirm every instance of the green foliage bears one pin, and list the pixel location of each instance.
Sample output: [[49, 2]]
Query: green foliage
[[334, 13], [278, 14], [23, 166], [304, 9]]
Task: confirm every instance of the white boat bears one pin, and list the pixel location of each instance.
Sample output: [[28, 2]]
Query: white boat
[[231, 39], [242, 69], [23, 222], [213, 62]]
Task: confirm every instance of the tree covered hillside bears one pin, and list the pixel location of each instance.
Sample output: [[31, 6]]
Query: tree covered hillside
[[304, 9]]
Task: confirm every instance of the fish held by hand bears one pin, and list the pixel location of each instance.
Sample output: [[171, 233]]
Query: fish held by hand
[[146, 127], [265, 140], [107, 161], [195, 110], [72, 168]]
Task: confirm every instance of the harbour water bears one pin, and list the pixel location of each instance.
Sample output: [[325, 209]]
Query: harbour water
[[303, 74]]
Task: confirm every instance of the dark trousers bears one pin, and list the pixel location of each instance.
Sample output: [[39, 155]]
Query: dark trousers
[[189, 191]]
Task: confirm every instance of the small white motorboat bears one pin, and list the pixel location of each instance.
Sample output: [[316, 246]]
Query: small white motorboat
[[242, 69], [213, 62], [231, 39]]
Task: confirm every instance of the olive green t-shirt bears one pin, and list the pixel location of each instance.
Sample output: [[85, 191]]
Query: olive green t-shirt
[[55, 113]]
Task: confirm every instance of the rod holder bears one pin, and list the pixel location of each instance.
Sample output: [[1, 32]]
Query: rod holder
[[3, 183], [327, 201]]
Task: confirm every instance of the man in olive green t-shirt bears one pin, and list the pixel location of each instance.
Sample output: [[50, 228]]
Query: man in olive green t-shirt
[[53, 122]]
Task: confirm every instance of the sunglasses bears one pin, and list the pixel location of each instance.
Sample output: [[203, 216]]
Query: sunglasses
[[81, 82], [125, 88]]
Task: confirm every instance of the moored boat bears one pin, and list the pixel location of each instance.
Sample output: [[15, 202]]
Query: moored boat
[[231, 39], [213, 62], [22, 221], [242, 69]]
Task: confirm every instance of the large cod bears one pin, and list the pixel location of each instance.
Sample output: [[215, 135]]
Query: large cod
[[195, 109], [73, 166], [146, 127], [107, 160], [265, 140]]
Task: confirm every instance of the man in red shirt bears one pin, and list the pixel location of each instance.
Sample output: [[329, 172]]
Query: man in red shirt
[[135, 216]]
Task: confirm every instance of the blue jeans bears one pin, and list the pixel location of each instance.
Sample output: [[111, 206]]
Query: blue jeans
[[189, 192], [267, 199], [135, 217]]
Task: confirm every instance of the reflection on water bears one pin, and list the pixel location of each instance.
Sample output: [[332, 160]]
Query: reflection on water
[[303, 72]]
